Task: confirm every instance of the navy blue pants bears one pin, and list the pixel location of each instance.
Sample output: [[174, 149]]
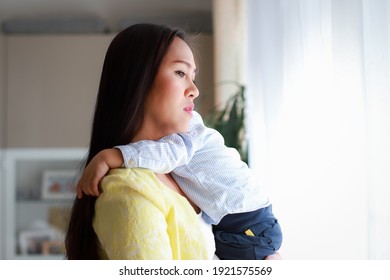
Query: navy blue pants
[[248, 236]]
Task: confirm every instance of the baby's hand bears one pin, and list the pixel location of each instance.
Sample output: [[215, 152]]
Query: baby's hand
[[93, 173]]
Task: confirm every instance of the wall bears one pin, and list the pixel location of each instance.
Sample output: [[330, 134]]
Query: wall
[[51, 88], [25, 110], [111, 11], [2, 90], [204, 52], [52, 84]]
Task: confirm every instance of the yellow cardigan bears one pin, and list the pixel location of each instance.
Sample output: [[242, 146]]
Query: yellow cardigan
[[137, 217]]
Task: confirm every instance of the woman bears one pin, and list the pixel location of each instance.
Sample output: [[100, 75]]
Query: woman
[[146, 91]]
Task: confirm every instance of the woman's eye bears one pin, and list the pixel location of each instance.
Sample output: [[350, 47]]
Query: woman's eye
[[180, 73]]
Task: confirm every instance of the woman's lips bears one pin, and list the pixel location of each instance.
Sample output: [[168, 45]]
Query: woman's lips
[[189, 108]]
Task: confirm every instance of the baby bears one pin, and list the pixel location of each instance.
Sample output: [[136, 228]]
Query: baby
[[213, 176]]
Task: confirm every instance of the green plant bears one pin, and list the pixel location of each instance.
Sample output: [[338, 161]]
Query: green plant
[[230, 122]]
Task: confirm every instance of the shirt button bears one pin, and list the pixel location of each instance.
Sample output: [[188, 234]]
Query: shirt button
[[131, 163]]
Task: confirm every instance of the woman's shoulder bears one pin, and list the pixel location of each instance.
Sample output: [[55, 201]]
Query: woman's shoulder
[[130, 175], [122, 180], [130, 172], [134, 188], [138, 186]]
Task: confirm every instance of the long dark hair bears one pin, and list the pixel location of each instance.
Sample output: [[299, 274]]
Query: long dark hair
[[129, 69]]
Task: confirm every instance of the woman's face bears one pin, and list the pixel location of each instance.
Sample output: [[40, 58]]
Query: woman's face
[[171, 101]]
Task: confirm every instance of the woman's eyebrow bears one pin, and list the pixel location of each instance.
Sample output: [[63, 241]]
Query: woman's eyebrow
[[189, 65]]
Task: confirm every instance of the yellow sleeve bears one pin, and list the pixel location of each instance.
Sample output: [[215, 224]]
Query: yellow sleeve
[[129, 226]]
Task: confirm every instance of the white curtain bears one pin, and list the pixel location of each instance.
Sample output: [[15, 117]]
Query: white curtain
[[317, 77]]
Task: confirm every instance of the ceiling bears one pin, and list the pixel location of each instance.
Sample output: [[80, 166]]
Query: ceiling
[[113, 12]]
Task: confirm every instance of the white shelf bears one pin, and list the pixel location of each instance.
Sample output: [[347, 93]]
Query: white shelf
[[23, 207], [2, 202]]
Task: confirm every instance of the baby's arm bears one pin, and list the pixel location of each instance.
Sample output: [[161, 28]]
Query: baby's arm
[[96, 169], [166, 154], [161, 156]]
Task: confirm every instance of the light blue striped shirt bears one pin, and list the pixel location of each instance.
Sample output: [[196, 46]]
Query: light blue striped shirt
[[211, 174]]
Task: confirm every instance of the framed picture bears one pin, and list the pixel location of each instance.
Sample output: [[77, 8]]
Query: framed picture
[[58, 184], [31, 241], [53, 247]]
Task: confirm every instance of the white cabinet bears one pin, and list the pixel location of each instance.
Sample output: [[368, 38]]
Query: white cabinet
[[37, 194], [2, 195]]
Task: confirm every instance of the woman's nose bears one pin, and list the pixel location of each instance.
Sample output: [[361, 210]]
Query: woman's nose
[[193, 91]]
